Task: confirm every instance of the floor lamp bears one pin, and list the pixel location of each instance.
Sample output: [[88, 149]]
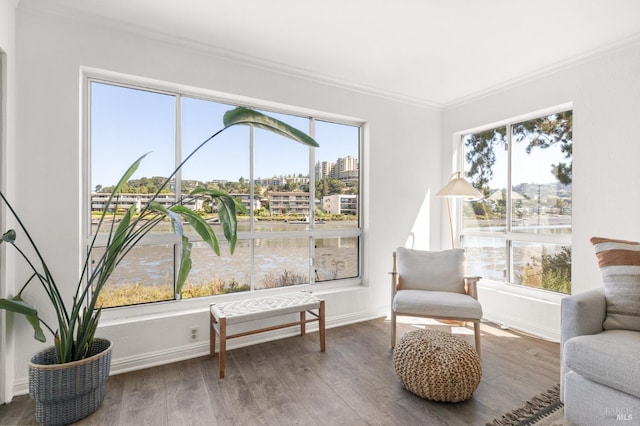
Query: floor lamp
[[457, 187]]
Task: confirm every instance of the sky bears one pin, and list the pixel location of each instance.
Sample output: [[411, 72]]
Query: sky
[[534, 168], [127, 123]]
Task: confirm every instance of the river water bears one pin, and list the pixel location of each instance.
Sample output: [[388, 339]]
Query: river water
[[274, 260]]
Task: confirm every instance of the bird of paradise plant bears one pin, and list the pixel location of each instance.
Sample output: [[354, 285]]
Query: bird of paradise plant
[[77, 322]]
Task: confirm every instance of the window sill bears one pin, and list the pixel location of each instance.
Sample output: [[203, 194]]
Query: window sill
[[173, 308], [538, 295]]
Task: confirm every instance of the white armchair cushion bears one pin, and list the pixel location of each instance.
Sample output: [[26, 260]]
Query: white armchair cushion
[[431, 270], [436, 304]]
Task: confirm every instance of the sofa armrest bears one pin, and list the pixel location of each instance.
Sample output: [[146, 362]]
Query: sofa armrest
[[582, 314]]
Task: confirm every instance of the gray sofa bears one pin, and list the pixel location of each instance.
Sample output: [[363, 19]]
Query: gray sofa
[[600, 369]]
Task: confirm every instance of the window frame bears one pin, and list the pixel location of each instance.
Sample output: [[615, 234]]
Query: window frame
[[178, 306], [509, 236]]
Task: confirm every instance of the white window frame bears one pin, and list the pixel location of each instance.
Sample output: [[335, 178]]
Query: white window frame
[[163, 309], [7, 354], [508, 236]]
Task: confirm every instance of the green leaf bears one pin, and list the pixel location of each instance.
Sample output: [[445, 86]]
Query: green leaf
[[9, 237], [240, 208], [185, 264], [86, 332], [215, 193], [175, 218], [199, 225], [127, 175], [228, 220], [212, 192], [115, 247], [243, 115], [185, 257], [21, 307], [114, 250], [228, 206]]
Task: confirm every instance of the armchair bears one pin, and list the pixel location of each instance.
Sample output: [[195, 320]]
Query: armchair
[[431, 284], [600, 369], [600, 341]]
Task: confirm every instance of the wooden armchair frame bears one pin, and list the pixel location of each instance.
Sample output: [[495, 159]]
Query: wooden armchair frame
[[471, 289]]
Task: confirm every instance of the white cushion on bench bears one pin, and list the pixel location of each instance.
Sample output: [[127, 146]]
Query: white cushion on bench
[[264, 307]]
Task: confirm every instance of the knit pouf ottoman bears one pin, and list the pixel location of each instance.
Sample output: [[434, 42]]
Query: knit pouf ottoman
[[436, 365]]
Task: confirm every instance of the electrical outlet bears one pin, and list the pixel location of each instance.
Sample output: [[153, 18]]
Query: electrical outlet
[[194, 334]]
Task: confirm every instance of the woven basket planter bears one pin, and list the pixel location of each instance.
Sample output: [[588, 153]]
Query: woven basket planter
[[437, 366], [65, 393]]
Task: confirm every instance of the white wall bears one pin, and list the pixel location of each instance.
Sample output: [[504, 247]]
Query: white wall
[[7, 139], [401, 167], [605, 92]]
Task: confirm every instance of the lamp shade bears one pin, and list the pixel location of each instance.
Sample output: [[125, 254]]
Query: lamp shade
[[458, 187]]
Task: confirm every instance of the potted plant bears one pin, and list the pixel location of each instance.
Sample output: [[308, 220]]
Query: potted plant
[[65, 379]]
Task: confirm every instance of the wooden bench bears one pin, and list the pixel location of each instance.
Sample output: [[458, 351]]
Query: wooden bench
[[235, 312]]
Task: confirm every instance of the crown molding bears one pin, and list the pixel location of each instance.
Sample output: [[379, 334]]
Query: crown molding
[[566, 64], [90, 19]]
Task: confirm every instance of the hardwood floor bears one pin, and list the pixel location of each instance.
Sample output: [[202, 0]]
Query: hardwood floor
[[290, 382]]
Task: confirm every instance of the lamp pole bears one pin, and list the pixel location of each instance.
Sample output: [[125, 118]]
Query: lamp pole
[[457, 187]]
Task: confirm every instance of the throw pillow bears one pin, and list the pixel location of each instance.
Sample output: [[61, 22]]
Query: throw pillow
[[619, 262], [431, 270]]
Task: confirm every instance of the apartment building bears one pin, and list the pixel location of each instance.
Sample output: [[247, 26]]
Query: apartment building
[[289, 203], [346, 204]]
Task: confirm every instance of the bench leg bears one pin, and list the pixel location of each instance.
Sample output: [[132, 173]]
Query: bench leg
[[223, 345], [321, 326], [212, 336], [303, 317]]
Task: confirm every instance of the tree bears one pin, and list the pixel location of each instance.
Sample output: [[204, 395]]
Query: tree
[[556, 271], [242, 186], [546, 131], [541, 133], [328, 186], [351, 188], [291, 185], [480, 155], [144, 185]]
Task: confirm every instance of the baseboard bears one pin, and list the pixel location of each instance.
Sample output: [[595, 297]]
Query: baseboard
[[199, 349], [533, 315], [515, 323], [195, 350], [152, 359]]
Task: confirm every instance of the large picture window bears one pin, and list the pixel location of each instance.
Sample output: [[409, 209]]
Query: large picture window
[[303, 223], [520, 232]]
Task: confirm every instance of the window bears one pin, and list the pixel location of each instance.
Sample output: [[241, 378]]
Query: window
[[521, 231], [303, 224]]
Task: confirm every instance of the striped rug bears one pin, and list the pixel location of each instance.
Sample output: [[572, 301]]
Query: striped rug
[[541, 410]]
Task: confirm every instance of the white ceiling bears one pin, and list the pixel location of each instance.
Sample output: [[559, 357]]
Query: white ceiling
[[432, 52]]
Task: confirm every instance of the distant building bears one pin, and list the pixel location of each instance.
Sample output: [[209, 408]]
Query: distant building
[[272, 181], [324, 169], [245, 198], [289, 203], [280, 181], [125, 201], [345, 168], [340, 204]]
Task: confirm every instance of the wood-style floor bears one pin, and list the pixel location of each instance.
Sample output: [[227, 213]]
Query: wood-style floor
[[290, 382]]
